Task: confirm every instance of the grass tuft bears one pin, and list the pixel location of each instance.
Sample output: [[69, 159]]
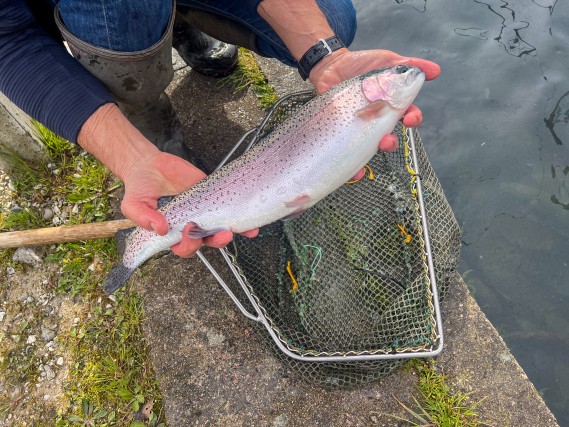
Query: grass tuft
[[438, 405], [248, 74], [110, 381]]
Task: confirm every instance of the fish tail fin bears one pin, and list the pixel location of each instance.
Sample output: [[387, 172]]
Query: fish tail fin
[[117, 277], [120, 240]]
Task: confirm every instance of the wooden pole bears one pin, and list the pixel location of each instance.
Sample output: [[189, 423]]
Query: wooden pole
[[65, 233]]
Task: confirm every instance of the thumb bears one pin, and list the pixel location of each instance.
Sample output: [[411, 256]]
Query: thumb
[[145, 216]]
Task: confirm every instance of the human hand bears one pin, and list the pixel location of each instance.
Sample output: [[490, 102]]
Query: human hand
[[163, 174], [147, 173], [344, 64]]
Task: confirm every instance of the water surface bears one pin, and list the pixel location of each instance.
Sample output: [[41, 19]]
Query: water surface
[[496, 128]]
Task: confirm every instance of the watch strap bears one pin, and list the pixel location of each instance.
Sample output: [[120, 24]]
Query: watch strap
[[316, 53]]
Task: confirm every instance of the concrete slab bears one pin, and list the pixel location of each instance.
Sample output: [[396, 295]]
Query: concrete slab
[[212, 365], [17, 137]]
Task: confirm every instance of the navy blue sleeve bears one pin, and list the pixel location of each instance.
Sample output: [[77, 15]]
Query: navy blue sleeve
[[41, 77]]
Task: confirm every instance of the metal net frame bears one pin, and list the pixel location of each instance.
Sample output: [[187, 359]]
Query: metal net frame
[[347, 291]]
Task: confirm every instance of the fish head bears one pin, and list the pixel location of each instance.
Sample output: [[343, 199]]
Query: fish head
[[398, 86]]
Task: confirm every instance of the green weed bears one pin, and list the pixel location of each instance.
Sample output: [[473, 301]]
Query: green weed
[[438, 405], [248, 74], [26, 174], [84, 264], [24, 219], [113, 382], [110, 381]]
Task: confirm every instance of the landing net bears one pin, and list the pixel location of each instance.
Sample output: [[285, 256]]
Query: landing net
[[344, 291]]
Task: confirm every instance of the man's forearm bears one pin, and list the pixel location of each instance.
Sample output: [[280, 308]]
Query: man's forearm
[[300, 24], [112, 139]]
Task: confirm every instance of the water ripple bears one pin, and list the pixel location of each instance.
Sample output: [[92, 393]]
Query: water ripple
[[419, 5], [509, 36]]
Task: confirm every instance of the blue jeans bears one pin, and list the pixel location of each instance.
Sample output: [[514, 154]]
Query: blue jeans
[[130, 26]]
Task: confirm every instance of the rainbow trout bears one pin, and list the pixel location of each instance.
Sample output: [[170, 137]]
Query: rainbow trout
[[308, 156]]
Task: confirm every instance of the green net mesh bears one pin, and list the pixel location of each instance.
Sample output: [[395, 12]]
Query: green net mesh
[[350, 277]]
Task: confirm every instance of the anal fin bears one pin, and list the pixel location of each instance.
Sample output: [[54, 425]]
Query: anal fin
[[196, 232]]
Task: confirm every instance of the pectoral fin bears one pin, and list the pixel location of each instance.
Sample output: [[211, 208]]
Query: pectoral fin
[[373, 110]]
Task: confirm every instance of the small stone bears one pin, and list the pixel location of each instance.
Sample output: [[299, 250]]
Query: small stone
[[215, 339], [47, 334], [59, 361], [14, 392], [48, 372], [280, 421], [47, 310], [31, 339], [26, 255], [10, 271], [47, 214], [2, 314]]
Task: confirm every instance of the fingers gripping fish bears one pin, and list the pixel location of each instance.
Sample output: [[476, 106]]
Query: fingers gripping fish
[[335, 134]]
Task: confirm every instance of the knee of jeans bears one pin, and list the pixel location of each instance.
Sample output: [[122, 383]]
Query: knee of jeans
[[341, 16], [120, 25]]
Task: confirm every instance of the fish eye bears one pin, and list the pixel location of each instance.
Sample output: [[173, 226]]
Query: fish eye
[[400, 69]]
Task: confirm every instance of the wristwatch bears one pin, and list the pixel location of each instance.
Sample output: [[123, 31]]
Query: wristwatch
[[316, 53]]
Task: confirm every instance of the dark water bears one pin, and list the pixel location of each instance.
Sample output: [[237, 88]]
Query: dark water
[[496, 128]]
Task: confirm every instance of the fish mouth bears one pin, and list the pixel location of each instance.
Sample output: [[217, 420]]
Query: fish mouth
[[411, 73]]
